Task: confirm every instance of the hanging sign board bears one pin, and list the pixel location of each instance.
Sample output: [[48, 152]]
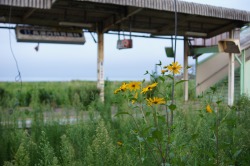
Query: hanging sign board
[[124, 44], [49, 35]]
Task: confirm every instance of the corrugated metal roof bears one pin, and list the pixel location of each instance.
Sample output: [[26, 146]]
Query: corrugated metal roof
[[165, 5], [183, 7], [42, 4]]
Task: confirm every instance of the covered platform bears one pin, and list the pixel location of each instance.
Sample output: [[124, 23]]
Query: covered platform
[[155, 17]]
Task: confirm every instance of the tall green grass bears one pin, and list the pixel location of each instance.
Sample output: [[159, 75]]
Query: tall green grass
[[96, 137]]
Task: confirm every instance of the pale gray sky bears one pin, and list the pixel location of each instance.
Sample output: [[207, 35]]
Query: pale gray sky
[[71, 62]]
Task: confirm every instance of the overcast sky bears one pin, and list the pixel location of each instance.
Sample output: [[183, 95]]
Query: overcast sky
[[70, 62]]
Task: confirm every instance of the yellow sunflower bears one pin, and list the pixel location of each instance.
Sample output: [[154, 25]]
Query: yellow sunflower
[[164, 71], [124, 87], [117, 90], [144, 90], [175, 67], [119, 143], [133, 86], [155, 100], [149, 87], [208, 109]]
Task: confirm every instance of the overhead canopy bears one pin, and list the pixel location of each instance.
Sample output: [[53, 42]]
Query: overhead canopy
[[156, 17]]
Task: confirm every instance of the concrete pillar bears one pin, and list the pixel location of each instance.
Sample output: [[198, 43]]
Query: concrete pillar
[[233, 34], [100, 60], [231, 79], [185, 68]]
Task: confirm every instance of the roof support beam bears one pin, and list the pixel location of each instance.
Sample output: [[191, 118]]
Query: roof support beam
[[222, 29], [170, 26], [28, 14], [108, 25]]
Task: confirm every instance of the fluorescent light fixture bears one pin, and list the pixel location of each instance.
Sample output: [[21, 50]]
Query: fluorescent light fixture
[[196, 34], [229, 46], [76, 24]]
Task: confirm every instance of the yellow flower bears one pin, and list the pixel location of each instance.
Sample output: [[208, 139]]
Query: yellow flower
[[144, 90], [150, 87], [208, 109], [133, 86], [175, 67], [124, 87], [135, 96], [117, 90], [163, 71], [119, 143], [155, 100]]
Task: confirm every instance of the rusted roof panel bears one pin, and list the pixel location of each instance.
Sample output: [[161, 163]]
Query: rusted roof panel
[[42, 4], [183, 7]]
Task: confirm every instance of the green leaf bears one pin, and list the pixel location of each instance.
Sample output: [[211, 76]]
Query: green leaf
[[171, 155], [150, 139], [200, 96], [213, 89], [161, 118], [122, 113], [157, 135], [146, 73], [194, 136], [140, 139], [213, 128], [161, 78], [159, 64], [148, 113], [236, 154], [181, 81], [170, 76], [218, 102], [172, 107]]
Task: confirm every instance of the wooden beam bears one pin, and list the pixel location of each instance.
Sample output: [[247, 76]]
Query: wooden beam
[[108, 25]]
